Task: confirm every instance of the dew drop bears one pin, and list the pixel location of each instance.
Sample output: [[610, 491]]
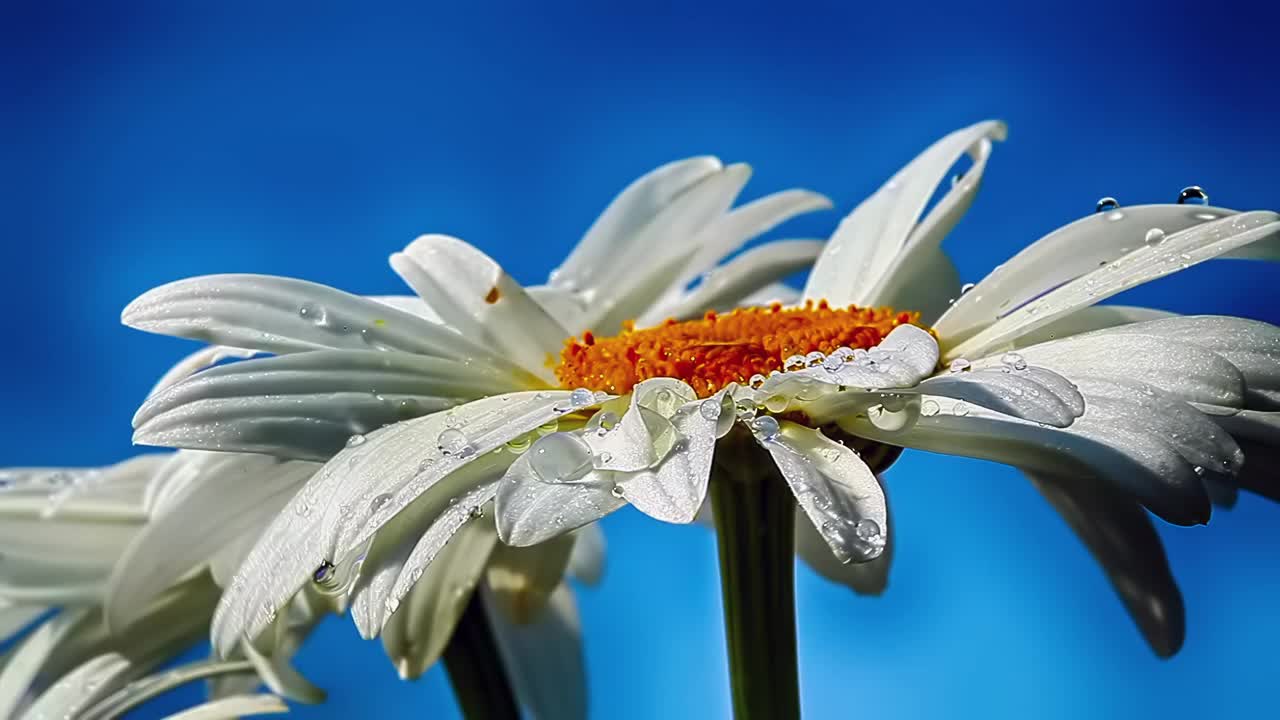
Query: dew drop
[[581, 397], [929, 408], [745, 409], [606, 458], [355, 440], [967, 287], [832, 363], [766, 428], [560, 458], [756, 381], [379, 502], [1106, 204], [776, 403], [960, 409], [325, 574], [1193, 195], [1154, 237], [795, 362], [477, 511], [1014, 360], [618, 491], [452, 441], [709, 409], [816, 357], [867, 530], [315, 313], [960, 365], [602, 422]]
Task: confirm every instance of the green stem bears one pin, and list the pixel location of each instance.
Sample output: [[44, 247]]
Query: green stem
[[476, 670], [755, 524]]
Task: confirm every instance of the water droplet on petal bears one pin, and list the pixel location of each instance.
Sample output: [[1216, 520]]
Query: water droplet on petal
[[1014, 360], [867, 530], [355, 440], [815, 358], [709, 409], [581, 397], [560, 458], [832, 363], [1154, 237], [618, 491], [929, 408], [967, 287], [776, 403], [379, 502], [766, 428], [960, 409], [756, 381], [325, 574], [959, 365], [453, 441], [795, 362], [1193, 195], [1106, 204]]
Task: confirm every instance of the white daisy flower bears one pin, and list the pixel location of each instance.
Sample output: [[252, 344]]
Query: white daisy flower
[[91, 544], [1109, 410], [347, 366]]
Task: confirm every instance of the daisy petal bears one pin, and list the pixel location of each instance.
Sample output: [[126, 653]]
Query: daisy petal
[[1030, 393], [232, 707], [837, 491], [521, 579], [283, 315], [544, 657], [903, 358], [476, 297], [140, 691], [416, 626], [675, 490], [531, 510], [725, 287], [586, 562], [1112, 441], [865, 245], [1255, 425], [224, 506], [1187, 371], [865, 578], [928, 286], [199, 360], [732, 230], [1065, 254], [30, 658], [405, 553], [633, 209], [1144, 263], [1098, 317], [1121, 537], [15, 617], [76, 691], [367, 484], [307, 405]]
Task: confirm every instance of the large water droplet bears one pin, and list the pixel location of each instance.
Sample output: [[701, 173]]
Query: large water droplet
[[452, 441], [833, 362], [929, 408], [1193, 195], [618, 491], [560, 458], [766, 428], [1106, 204], [709, 409], [581, 397], [1014, 360], [314, 313], [379, 502], [959, 365], [1154, 236]]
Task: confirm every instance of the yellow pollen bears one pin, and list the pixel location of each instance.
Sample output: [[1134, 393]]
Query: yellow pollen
[[710, 353]]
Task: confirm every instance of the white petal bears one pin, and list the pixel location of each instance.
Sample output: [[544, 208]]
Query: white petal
[[282, 678], [530, 510], [140, 691], [1028, 392], [282, 315], [1088, 319], [676, 489], [521, 579], [903, 358], [727, 286], [29, 658], [79, 689], [362, 488], [544, 658], [864, 247], [837, 491], [457, 533], [864, 578], [15, 617], [928, 286], [1140, 265], [731, 231], [307, 405], [196, 525], [586, 562], [1063, 255], [1187, 371], [411, 304], [1112, 440], [620, 223], [1256, 425], [568, 308], [199, 360], [475, 296], [232, 707], [770, 294]]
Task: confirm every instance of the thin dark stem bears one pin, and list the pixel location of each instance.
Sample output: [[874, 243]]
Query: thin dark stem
[[755, 522], [476, 671]]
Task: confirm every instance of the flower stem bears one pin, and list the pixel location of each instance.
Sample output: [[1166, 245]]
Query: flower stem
[[476, 670], [755, 523]]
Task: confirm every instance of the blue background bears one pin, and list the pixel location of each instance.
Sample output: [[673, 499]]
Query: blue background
[[144, 143]]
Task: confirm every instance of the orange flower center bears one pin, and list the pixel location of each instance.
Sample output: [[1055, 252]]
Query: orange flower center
[[710, 353]]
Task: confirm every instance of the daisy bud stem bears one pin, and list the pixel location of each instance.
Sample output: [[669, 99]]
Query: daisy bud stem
[[476, 670], [755, 523]]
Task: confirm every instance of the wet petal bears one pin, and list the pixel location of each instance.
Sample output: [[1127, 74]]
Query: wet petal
[[676, 489]]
